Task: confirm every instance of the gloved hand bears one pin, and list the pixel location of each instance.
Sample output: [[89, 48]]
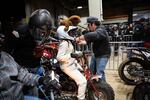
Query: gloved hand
[[50, 79], [76, 54]]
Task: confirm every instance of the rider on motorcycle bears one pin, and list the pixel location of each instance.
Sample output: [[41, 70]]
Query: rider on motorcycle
[[13, 77], [22, 43], [68, 64], [25, 37]]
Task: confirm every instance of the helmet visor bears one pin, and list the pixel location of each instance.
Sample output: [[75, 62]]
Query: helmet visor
[[40, 34]]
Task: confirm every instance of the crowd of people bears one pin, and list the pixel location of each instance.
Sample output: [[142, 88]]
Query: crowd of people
[[139, 30]]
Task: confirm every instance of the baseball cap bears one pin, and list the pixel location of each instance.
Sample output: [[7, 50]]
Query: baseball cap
[[92, 19]]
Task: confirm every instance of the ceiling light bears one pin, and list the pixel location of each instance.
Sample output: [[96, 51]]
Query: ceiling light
[[79, 7], [135, 14]]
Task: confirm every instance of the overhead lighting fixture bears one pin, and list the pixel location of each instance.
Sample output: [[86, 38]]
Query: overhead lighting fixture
[[79, 7], [135, 14]]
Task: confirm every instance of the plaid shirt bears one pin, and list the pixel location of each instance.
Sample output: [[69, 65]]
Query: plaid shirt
[[13, 78]]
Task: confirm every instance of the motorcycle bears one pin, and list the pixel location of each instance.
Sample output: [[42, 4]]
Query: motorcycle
[[136, 71], [136, 66], [96, 88]]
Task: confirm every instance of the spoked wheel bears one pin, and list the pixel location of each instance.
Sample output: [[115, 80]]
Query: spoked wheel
[[103, 91], [129, 70]]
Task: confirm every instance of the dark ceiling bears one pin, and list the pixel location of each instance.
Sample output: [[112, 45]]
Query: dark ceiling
[[111, 8], [72, 4], [118, 8]]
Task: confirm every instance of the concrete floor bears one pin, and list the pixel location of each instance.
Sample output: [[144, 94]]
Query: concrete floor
[[122, 91]]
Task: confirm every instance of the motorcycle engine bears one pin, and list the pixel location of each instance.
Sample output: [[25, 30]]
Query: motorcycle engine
[[67, 83]]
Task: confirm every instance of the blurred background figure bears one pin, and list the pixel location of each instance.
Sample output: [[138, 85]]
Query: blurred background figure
[[139, 30], [116, 32]]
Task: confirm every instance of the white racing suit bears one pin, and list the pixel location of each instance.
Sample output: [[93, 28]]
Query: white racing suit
[[13, 78], [70, 66]]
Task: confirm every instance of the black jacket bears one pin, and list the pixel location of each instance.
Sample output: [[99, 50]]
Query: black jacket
[[100, 41], [22, 47]]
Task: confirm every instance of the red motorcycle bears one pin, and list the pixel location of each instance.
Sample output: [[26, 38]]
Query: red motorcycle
[[96, 88]]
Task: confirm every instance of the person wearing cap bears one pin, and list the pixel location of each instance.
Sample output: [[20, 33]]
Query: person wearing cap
[[68, 64], [101, 49]]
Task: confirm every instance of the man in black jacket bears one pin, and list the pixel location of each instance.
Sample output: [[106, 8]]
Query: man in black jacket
[[101, 48]]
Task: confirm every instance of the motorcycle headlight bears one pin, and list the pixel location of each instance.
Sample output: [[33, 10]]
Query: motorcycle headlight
[[54, 62]]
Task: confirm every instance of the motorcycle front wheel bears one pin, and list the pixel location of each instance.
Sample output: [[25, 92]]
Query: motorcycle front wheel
[[103, 91], [129, 69]]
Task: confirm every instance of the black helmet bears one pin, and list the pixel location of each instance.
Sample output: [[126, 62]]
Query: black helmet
[[40, 21], [40, 18]]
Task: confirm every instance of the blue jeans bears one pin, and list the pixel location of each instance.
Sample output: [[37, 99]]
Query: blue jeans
[[31, 98], [98, 65]]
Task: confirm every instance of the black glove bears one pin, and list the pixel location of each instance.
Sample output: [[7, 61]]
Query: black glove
[[50, 81], [77, 54]]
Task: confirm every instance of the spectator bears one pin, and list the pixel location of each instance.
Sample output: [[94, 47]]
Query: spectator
[[116, 37], [138, 30], [147, 33]]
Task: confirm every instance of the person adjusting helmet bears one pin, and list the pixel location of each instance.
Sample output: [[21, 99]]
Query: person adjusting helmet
[[99, 38]]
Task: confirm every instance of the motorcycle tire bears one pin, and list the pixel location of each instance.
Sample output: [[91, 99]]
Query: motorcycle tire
[[124, 64], [105, 91], [141, 91]]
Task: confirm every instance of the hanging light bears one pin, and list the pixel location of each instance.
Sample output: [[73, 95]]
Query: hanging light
[[79, 7]]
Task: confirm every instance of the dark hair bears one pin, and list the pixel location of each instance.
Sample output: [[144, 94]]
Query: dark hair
[[97, 23]]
